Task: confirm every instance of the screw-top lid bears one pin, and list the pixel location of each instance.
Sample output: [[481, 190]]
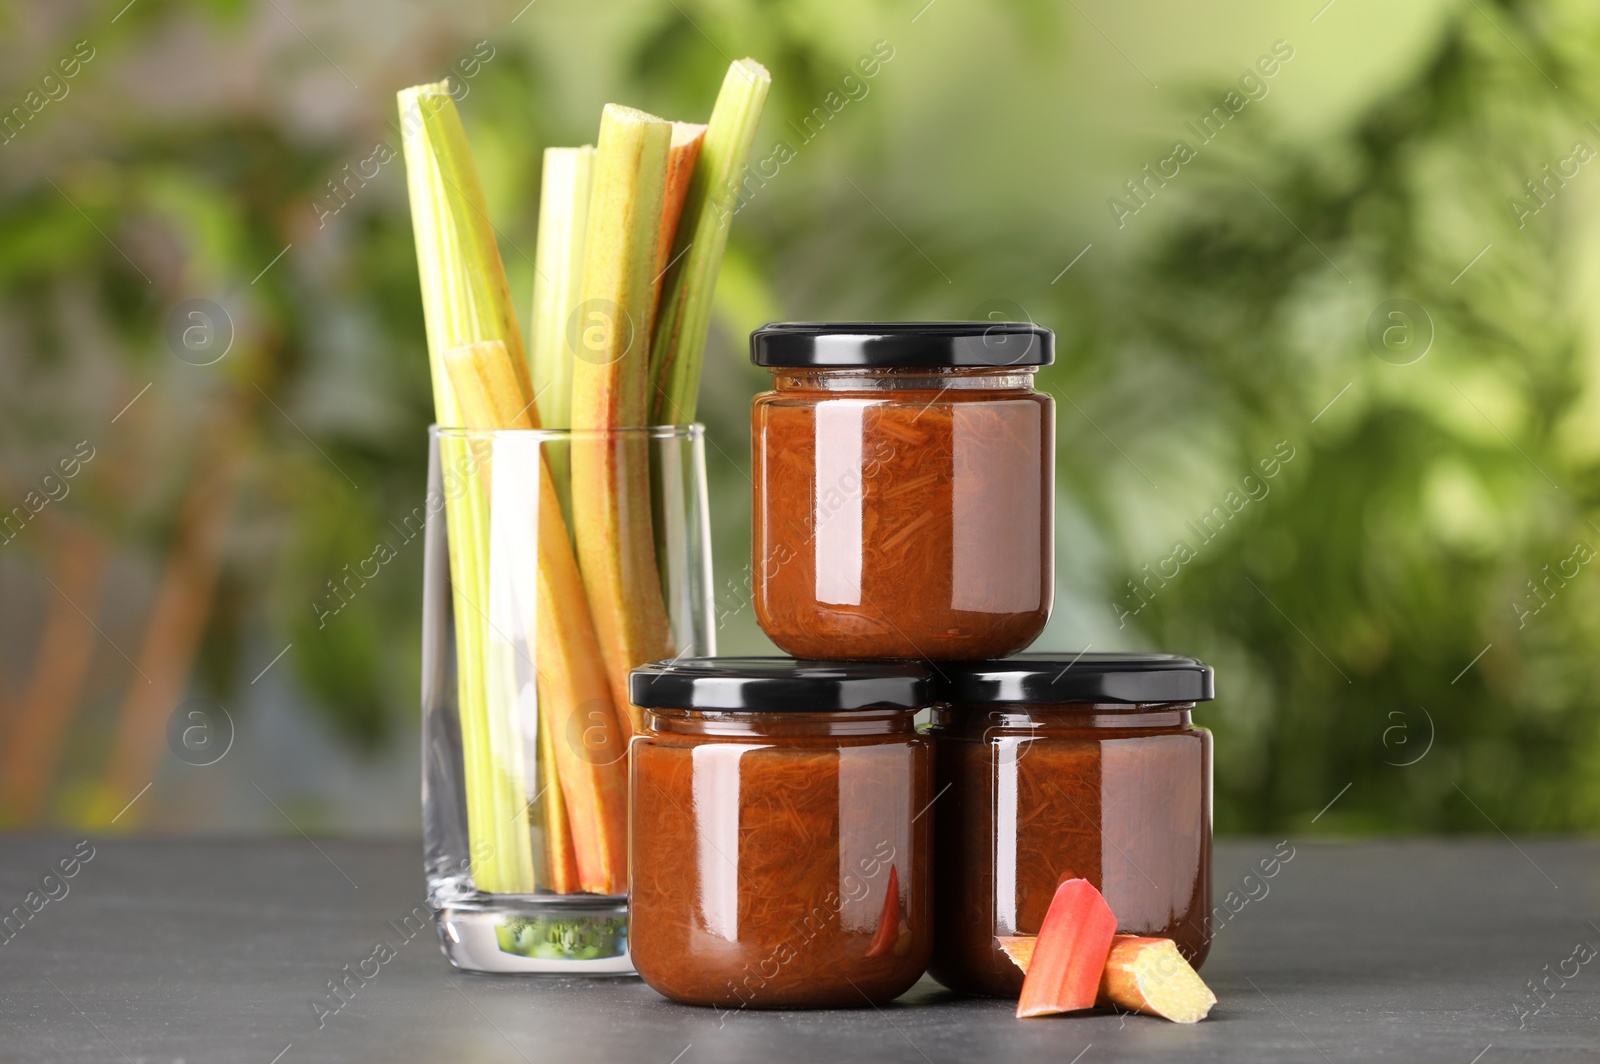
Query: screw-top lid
[[777, 685], [902, 344], [1064, 678]]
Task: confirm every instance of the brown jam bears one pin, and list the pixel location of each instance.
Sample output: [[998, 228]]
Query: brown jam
[[901, 511], [1117, 794], [778, 857]]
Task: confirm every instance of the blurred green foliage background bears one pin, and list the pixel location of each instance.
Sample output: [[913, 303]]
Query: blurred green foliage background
[[1402, 617]]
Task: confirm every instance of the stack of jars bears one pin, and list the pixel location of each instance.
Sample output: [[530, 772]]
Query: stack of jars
[[797, 839]]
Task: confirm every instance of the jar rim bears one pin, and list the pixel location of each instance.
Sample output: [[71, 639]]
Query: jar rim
[[1131, 679], [966, 710], [883, 345], [778, 685]]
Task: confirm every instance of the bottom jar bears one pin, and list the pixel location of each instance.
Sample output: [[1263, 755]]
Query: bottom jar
[[1059, 768], [779, 859]]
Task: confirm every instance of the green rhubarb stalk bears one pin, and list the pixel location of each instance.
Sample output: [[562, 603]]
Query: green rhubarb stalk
[[611, 377], [679, 343], [465, 300], [558, 262], [558, 273]]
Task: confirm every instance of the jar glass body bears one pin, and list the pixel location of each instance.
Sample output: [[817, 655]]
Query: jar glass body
[[1118, 795], [778, 858], [903, 513]]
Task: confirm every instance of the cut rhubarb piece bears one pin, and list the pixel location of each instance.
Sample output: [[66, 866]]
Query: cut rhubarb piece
[[1019, 948], [1145, 975], [1149, 975], [1074, 941], [889, 923]]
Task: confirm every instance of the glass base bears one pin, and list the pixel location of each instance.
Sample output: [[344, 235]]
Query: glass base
[[583, 934]]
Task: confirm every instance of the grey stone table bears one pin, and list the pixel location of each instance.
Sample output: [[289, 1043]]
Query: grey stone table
[[165, 950]]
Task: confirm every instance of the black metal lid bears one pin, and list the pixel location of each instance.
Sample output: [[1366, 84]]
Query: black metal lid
[[777, 685], [1062, 678], [887, 345]]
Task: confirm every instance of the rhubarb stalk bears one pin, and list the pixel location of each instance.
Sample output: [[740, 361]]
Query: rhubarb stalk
[[678, 347], [611, 471], [560, 858], [575, 706], [464, 294], [682, 154], [558, 274], [465, 300]]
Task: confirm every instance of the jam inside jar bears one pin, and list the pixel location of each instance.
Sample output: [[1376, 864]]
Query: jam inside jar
[[1059, 768], [778, 857], [904, 489]]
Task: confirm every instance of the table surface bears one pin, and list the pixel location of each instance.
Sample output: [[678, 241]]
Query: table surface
[[199, 950]]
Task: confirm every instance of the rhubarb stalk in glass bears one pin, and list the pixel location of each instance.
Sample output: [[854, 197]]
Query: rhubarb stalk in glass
[[610, 389]]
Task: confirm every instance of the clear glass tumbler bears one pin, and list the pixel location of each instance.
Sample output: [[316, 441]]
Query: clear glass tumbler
[[554, 559]]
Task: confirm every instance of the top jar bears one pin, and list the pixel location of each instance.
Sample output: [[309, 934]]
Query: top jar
[[904, 489]]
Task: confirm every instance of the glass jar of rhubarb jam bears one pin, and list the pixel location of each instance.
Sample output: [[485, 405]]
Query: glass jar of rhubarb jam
[[779, 856], [904, 489], [1054, 768]]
